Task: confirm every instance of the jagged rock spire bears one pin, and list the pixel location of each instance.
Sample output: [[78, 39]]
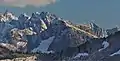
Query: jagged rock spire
[[5, 12]]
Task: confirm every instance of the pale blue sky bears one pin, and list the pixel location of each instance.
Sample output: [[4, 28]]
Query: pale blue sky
[[105, 12]]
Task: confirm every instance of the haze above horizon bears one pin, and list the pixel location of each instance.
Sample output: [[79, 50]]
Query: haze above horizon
[[105, 12]]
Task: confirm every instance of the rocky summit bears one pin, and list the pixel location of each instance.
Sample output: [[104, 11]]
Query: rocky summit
[[50, 38]]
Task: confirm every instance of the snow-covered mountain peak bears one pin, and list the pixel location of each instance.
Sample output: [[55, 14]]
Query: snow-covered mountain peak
[[7, 16], [44, 31], [24, 16]]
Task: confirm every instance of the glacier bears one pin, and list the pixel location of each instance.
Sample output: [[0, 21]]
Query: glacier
[[105, 45], [44, 45], [116, 53], [81, 54]]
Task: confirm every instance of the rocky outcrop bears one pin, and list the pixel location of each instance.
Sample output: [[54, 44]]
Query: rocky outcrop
[[103, 49], [45, 32], [31, 58], [112, 31]]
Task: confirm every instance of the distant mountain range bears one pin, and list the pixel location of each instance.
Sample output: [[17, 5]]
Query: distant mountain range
[[48, 34]]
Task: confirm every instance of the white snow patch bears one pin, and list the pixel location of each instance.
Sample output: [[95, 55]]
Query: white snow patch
[[116, 53], [13, 17], [3, 44], [105, 45], [81, 54], [23, 44], [44, 45]]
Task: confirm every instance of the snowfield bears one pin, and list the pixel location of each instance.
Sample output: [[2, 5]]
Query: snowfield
[[105, 45], [81, 54], [44, 45]]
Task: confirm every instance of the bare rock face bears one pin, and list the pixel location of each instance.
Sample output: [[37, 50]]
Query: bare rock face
[[29, 33], [45, 25], [8, 46], [31, 58], [111, 52], [4, 52]]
